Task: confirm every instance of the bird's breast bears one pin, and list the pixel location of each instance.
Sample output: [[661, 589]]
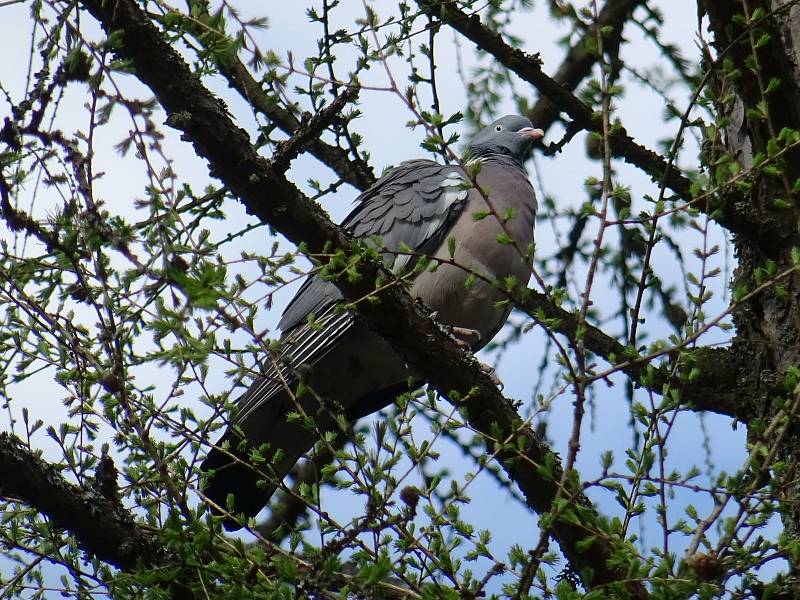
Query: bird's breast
[[462, 289]]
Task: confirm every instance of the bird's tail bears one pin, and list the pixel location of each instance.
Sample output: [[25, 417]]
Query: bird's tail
[[251, 468], [229, 466], [363, 375], [230, 472]]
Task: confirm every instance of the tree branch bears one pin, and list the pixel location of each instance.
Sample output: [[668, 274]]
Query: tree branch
[[288, 150], [718, 387], [204, 121], [356, 171], [101, 526]]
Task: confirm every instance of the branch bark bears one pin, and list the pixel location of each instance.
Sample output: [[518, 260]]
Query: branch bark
[[102, 527], [761, 81]]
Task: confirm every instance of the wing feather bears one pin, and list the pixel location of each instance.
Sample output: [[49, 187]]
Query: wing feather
[[391, 209]]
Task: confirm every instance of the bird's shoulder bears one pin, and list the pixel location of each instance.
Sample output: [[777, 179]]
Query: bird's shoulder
[[421, 179], [407, 201], [411, 204]]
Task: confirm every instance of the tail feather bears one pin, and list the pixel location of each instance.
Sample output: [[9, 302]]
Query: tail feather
[[227, 476], [362, 376], [229, 470]]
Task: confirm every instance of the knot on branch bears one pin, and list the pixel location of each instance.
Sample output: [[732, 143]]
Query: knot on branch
[[105, 478], [310, 129]]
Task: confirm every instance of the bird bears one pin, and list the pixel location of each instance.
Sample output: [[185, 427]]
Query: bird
[[474, 221]]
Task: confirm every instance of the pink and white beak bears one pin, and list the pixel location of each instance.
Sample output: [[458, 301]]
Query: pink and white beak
[[536, 134]]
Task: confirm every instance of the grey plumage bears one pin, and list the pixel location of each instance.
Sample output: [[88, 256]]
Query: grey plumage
[[348, 369]]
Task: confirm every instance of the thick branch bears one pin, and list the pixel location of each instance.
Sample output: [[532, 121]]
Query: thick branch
[[759, 50], [101, 526], [718, 387], [266, 194], [762, 51]]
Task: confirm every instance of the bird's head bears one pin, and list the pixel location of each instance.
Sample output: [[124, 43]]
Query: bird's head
[[511, 135]]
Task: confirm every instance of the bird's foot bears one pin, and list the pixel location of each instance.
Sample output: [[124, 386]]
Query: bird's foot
[[465, 337], [490, 371]]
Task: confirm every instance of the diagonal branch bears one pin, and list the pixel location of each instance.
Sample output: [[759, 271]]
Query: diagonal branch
[[203, 120], [356, 171], [105, 529], [718, 387], [307, 132], [102, 526]]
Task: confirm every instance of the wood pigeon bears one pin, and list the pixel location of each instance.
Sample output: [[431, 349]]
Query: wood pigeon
[[347, 369]]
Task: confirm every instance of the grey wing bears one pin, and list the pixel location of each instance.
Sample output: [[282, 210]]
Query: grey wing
[[413, 204], [415, 208]]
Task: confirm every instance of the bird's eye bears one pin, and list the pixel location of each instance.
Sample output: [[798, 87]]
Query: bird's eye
[[498, 128]]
